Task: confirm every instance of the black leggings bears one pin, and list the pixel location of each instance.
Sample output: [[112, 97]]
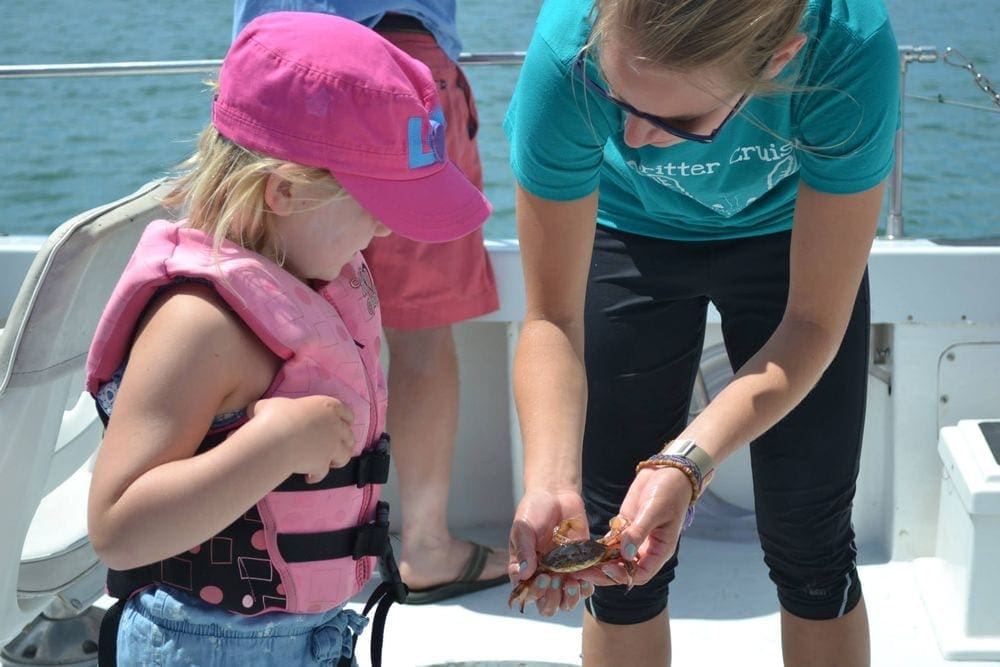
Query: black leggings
[[645, 323]]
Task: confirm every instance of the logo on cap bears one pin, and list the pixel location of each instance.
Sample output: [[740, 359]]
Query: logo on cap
[[435, 139]]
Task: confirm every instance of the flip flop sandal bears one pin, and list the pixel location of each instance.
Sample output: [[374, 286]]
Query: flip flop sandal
[[467, 582]]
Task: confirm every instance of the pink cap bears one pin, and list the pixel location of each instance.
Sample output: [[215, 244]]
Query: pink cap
[[327, 92]]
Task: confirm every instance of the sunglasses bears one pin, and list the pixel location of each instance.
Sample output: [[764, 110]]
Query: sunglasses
[[579, 69]]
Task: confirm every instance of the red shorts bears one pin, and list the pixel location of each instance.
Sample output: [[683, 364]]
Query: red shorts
[[424, 285]]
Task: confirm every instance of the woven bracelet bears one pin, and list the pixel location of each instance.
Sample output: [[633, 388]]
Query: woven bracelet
[[682, 463], [686, 466]]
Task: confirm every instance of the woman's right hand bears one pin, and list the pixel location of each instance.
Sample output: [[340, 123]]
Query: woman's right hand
[[316, 428]]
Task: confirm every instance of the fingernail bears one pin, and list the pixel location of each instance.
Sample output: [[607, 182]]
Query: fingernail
[[522, 566], [629, 551], [542, 581], [556, 582], [609, 574], [571, 590]]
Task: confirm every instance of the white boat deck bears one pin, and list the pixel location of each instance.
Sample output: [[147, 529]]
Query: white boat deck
[[723, 610]]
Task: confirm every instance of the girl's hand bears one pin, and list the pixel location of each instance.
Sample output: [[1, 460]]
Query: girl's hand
[[317, 430]]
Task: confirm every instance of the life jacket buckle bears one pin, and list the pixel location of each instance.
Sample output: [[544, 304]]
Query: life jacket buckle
[[373, 464], [372, 539]]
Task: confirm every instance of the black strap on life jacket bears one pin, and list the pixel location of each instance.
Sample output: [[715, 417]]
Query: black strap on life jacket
[[107, 638], [369, 467], [391, 589], [357, 542]]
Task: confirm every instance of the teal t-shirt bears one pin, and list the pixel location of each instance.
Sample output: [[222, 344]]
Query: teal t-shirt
[[834, 130]]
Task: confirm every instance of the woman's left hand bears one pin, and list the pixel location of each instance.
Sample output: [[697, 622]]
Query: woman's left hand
[[655, 506]]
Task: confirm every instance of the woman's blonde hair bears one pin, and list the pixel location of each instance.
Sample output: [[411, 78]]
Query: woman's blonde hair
[[684, 35], [221, 192]]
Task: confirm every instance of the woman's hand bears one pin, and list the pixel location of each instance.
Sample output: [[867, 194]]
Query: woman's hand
[[655, 507], [317, 429], [538, 515]]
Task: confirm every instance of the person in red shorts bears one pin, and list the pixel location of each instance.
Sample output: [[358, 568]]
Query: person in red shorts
[[423, 290]]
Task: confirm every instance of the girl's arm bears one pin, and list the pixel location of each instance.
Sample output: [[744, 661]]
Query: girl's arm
[[151, 497]]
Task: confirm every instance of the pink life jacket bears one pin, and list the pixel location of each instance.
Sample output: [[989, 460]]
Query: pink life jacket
[[304, 548]]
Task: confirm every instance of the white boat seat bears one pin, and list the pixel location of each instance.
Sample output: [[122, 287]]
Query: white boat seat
[[56, 550], [49, 429]]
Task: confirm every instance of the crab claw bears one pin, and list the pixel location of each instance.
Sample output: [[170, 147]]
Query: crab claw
[[617, 524], [629, 566], [520, 593]]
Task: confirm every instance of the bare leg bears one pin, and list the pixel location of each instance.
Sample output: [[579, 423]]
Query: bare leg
[[843, 642], [645, 644], [423, 423]]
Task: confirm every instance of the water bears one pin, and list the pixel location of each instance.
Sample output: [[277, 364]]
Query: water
[[70, 144]]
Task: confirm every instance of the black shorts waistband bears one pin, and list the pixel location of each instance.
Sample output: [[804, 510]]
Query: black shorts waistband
[[403, 22]]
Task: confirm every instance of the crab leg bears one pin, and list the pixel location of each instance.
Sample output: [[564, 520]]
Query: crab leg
[[520, 593]]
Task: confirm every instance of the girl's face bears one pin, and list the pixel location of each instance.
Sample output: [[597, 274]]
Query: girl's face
[[319, 239], [696, 102]]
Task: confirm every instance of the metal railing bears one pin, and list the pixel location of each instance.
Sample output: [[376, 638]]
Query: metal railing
[[907, 55], [193, 66], [894, 218]]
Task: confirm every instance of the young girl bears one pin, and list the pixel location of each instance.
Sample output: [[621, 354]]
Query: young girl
[[425, 289], [668, 155], [235, 494]]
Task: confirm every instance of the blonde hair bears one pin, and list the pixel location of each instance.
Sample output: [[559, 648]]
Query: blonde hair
[[684, 35], [221, 191]]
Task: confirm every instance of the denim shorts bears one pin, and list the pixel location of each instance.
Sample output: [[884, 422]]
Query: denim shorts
[[163, 626]]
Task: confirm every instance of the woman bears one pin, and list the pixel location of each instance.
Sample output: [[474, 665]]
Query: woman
[[668, 155]]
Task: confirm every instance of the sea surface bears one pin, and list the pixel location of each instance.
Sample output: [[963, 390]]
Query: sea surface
[[68, 144]]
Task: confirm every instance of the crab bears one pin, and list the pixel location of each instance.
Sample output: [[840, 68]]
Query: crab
[[569, 556]]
